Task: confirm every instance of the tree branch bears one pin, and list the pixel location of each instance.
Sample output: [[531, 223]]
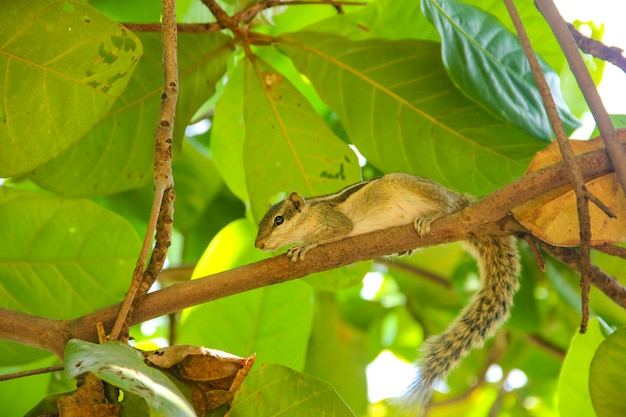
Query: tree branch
[[575, 174], [611, 54], [604, 282], [588, 88], [487, 216]]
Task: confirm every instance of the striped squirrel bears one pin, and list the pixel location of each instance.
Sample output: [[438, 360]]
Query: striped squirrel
[[394, 200]]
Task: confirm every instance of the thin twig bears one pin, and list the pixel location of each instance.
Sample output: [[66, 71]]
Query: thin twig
[[612, 250], [31, 372], [611, 54], [601, 280], [413, 270], [532, 244], [161, 216], [242, 16], [250, 12], [575, 174], [588, 88], [181, 27]]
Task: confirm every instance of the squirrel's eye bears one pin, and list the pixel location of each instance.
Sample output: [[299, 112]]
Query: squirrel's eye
[[278, 220]]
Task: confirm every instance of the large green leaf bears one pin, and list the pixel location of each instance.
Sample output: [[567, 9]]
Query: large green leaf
[[574, 379], [487, 63], [124, 367], [117, 154], [56, 84], [400, 109], [273, 322], [288, 147], [607, 376], [276, 390], [61, 258]]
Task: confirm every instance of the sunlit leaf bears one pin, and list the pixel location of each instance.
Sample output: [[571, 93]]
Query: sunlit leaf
[[74, 254], [62, 65], [277, 390], [574, 379], [117, 154], [607, 376], [273, 322], [300, 151]]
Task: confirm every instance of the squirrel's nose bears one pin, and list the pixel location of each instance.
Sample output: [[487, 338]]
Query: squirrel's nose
[[259, 244]]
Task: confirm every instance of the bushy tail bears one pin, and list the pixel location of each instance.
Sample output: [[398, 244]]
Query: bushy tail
[[499, 266]]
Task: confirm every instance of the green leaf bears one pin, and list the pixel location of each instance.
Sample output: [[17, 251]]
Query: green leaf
[[541, 36], [277, 390], [487, 63], [337, 353], [273, 322], [574, 378], [304, 154], [24, 394], [124, 367], [389, 19], [56, 84], [228, 135], [74, 253], [117, 154], [607, 376], [400, 109], [67, 257], [340, 278]]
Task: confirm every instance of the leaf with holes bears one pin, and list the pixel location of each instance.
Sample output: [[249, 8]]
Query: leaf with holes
[[117, 154], [52, 92]]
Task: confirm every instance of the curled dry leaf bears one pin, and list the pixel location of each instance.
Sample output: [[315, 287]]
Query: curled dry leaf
[[212, 375], [553, 217], [88, 400]]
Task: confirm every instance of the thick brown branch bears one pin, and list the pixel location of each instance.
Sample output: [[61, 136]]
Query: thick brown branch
[[484, 217]]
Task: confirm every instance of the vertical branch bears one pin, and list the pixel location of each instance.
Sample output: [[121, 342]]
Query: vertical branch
[[577, 65], [574, 172], [162, 213]]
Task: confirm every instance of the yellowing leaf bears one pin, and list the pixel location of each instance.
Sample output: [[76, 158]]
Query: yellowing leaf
[[553, 217]]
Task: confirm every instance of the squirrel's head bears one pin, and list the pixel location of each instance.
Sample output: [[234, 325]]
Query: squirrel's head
[[281, 224]]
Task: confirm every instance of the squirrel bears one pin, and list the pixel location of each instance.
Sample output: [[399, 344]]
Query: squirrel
[[394, 200]]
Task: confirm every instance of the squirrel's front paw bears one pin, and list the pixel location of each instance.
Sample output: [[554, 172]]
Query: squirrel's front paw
[[422, 223], [296, 253]]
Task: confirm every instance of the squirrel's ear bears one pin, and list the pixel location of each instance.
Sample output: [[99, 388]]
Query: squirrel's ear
[[296, 201]]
